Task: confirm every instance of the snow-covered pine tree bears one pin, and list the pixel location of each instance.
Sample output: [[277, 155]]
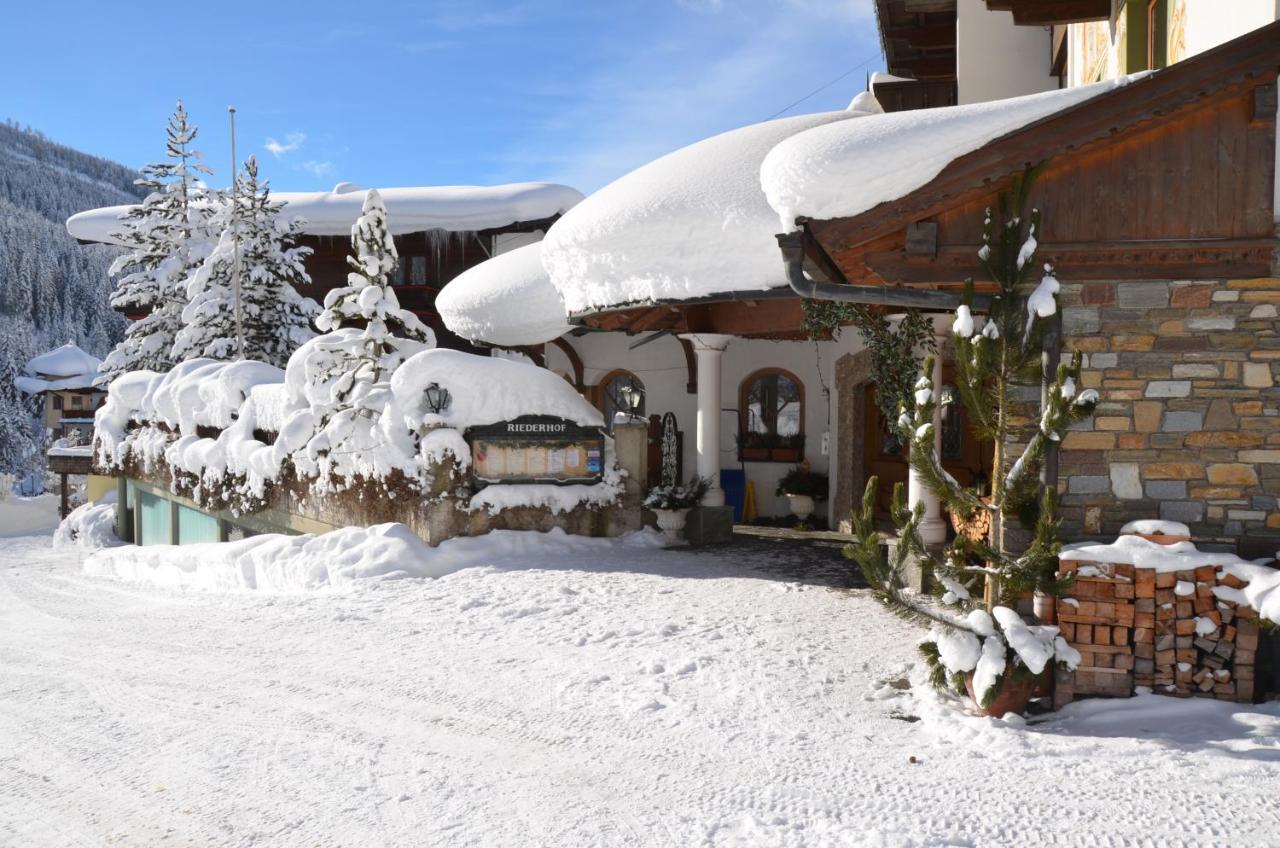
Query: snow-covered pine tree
[[20, 429], [274, 318], [168, 236], [990, 364], [346, 371]]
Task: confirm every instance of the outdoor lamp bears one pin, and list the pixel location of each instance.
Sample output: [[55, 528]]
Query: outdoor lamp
[[631, 397], [947, 398], [437, 398]]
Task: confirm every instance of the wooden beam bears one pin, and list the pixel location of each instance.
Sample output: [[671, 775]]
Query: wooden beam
[[1051, 12], [1047, 12], [575, 361], [923, 37], [926, 67], [1192, 259], [926, 6]]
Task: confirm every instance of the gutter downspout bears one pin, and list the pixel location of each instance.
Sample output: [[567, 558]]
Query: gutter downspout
[[792, 246]]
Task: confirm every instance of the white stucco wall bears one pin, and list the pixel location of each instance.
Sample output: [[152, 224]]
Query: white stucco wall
[[660, 365], [1213, 22], [995, 59]]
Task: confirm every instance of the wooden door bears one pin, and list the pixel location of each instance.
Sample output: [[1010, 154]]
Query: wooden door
[[963, 456]]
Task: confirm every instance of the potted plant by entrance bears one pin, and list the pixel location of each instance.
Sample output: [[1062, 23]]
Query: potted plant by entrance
[[672, 504], [803, 488]]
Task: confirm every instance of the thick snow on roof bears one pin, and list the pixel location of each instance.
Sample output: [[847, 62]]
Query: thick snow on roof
[[409, 210], [65, 361], [690, 224], [844, 169], [508, 300]]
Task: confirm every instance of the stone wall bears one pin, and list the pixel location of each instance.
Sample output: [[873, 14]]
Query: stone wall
[[1188, 427]]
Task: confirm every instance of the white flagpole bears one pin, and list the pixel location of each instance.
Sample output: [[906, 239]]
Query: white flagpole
[[235, 236]]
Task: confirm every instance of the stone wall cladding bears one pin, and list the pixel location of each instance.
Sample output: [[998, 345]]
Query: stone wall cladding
[[1188, 427]]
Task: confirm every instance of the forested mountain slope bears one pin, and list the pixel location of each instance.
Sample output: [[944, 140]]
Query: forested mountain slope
[[52, 290]]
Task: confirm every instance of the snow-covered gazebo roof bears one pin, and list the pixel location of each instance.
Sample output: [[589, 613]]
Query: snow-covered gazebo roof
[[409, 210], [65, 367], [692, 224], [507, 301], [841, 170]]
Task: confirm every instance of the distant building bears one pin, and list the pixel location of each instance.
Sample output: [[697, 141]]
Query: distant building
[[439, 232], [64, 377]]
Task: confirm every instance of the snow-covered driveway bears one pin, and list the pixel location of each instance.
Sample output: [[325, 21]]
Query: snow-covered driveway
[[661, 698]]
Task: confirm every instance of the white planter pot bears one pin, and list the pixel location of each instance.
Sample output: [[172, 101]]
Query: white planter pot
[[671, 522], [802, 506]]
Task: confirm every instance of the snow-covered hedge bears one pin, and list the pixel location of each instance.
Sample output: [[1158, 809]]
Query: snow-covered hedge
[[227, 431]]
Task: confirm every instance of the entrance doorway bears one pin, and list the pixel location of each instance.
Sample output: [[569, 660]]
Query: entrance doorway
[[964, 456]]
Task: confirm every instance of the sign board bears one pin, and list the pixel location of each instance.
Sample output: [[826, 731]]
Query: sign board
[[536, 449]]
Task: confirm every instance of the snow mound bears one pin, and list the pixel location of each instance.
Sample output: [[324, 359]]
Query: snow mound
[[692, 223], [412, 210], [846, 168], [340, 560], [90, 526], [508, 300], [484, 390]]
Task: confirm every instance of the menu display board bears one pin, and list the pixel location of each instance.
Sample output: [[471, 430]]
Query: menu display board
[[536, 449]]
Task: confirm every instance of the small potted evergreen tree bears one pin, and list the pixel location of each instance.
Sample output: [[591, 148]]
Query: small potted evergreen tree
[[671, 504]]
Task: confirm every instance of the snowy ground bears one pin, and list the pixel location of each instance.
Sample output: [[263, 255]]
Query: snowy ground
[[661, 698]]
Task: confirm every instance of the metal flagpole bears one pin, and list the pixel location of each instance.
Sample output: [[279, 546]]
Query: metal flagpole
[[235, 236]]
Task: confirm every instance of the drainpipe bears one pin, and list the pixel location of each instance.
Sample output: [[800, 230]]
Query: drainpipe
[[792, 246]]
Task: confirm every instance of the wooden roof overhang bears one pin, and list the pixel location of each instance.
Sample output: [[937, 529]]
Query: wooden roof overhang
[[1169, 178], [769, 314], [918, 39], [1048, 12]]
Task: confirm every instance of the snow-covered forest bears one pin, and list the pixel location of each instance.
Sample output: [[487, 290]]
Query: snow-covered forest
[[52, 290]]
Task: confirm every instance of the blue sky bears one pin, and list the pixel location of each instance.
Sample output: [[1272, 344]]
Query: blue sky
[[433, 92]]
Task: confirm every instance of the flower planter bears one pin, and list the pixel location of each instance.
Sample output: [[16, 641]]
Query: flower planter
[[1015, 694], [785, 455], [802, 506], [755, 454], [671, 522]]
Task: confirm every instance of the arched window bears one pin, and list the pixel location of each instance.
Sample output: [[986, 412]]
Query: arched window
[[614, 391], [771, 417]]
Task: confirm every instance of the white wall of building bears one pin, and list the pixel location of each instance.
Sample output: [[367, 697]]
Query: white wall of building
[[995, 59], [1213, 22], [660, 365]]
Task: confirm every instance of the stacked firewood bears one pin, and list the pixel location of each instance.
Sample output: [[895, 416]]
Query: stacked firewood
[[1168, 630]]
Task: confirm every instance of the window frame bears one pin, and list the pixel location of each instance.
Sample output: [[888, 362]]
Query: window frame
[[772, 453]]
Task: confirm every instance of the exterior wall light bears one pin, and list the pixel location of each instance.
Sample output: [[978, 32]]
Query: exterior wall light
[[437, 398]]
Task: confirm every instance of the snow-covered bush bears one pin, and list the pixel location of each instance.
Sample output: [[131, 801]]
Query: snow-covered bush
[[90, 526], [686, 496]]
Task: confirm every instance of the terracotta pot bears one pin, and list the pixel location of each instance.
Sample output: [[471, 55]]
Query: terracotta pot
[[671, 522], [785, 455], [1014, 694], [755, 454]]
